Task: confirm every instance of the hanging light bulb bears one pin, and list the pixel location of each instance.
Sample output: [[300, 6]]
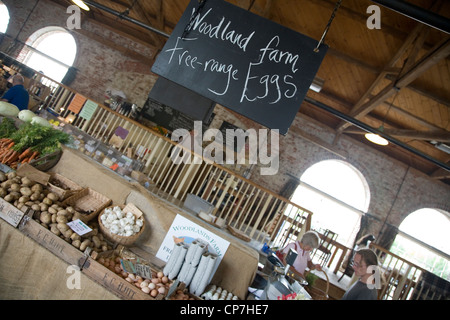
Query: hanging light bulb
[[81, 4], [377, 139]]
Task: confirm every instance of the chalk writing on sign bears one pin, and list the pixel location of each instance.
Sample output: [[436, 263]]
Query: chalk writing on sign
[[247, 63]]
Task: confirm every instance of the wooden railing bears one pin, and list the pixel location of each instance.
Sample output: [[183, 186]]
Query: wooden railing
[[400, 277], [254, 210]]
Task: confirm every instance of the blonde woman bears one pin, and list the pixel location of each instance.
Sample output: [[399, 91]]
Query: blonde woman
[[308, 242]]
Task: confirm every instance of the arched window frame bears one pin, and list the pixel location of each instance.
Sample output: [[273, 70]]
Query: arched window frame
[[8, 17], [417, 242], [358, 211], [35, 39]]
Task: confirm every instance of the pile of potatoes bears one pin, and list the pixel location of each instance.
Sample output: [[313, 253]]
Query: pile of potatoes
[[49, 211]]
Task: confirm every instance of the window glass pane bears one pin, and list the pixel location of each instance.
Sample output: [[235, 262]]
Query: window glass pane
[[4, 18]]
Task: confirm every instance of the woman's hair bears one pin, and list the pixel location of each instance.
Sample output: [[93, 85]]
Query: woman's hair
[[368, 256], [365, 239], [310, 238]]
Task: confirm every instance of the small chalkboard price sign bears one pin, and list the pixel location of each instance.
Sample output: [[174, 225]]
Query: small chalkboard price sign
[[247, 63]]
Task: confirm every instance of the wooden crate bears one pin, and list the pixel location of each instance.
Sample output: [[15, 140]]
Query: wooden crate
[[52, 242], [10, 213], [113, 282]]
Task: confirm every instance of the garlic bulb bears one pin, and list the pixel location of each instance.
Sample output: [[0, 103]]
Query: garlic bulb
[[121, 223]]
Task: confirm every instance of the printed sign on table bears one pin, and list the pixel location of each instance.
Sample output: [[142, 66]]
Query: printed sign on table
[[185, 230]]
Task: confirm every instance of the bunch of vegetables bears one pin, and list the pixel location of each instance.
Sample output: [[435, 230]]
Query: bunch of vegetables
[[27, 143], [49, 211]]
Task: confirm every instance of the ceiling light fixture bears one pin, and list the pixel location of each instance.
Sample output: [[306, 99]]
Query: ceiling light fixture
[[317, 84], [377, 139], [81, 4]]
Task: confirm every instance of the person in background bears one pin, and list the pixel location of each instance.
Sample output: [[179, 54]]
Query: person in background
[[17, 94], [308, 242], [364, 288]]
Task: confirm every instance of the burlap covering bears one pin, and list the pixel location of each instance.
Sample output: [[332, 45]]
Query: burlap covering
[[29, 271]]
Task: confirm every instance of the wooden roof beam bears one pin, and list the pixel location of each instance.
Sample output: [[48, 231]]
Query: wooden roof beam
[[440, 51]]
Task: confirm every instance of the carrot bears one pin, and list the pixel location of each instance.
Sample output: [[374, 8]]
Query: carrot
[[33, 156], [24, 160], [7, 155], [10, 145], [14, 156], [26, 153]]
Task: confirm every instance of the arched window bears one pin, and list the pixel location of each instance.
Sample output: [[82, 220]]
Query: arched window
[[53, 51], [4, 17], [337, 194], [424, 240]]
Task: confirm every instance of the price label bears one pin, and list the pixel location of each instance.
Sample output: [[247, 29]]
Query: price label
[[143, 270], [128, 266], [79, 227]]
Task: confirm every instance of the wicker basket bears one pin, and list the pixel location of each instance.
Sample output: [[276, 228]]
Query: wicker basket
[[317, 294], [62, 187], [123, 240], [88, 200], [47, 162]]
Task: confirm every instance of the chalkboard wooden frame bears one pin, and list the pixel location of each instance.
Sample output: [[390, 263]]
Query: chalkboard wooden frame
[[249, 64]]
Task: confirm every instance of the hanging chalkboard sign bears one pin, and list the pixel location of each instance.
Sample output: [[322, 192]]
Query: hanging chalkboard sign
[[170, 118], [248, 64]]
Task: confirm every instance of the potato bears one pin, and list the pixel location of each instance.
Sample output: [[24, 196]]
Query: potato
[[11, 175], [15, 194], [3, 176], [26, 182], [62, 227], [15, 187], [86, 243], [25, 191], [9, 198], [24, 199], [45, 217], [37, 188], [43, 206], [96, 241], [61, 219], [75, 236], [35, 207], [55, 230], [76, 243], [52, 210], [3, 192], [63, 212], [6, 184], [47, 201], [52, 196]]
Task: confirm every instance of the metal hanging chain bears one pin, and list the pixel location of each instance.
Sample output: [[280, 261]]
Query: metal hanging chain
[[336, 7], [201, 4]]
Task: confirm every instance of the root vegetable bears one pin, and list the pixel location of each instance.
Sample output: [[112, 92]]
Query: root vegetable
[[27, 182], [61, 219], [45, 217], [52, 196], [86, 243], [26, 191], [37, 188], [55, 230], [76, 243]]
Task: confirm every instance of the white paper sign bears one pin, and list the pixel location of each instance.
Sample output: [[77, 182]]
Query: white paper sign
[[185, 230], [79, 227]]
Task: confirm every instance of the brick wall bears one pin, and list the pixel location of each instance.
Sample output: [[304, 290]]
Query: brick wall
[[395, 189]]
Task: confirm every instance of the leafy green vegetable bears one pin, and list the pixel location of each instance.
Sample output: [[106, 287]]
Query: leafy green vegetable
[[45, 140], [7, 128]]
